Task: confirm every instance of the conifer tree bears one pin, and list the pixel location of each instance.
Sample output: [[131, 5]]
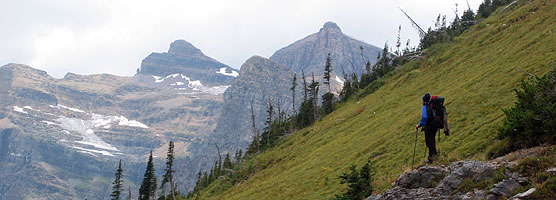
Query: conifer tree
[[347, 90], [399, 42], [148, 186], [168, 177], [327, 71], [294, 84], [304, 86], [359, 183], [117, 184], [314, 88], [366, 77], [129, 192], [154, 187], [268, 125], [254, 147], [227, 162]]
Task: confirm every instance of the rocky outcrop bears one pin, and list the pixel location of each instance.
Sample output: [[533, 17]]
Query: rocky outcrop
[[184, 58], [309, 54], [62, 138], [260, 80], [440, 182]]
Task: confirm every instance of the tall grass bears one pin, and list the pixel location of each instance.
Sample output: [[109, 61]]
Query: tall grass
[[476, 74]]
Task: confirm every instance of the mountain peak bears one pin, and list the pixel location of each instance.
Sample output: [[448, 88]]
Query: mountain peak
[[182, 47], [328, 26]]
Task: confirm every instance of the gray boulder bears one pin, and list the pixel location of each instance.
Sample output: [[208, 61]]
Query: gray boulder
[[474, 169], [505, 187], [424, 177]]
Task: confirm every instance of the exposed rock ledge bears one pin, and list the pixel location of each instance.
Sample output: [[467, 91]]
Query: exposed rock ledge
[[447, 182]]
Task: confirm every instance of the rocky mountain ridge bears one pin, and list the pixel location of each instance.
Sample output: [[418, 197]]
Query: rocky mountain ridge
[[309, 54], [184, 58], [68, 133], [63, 136], [262, 79]]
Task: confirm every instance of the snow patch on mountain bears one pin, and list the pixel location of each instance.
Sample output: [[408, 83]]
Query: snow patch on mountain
[[84, 128], [19, 109], [223, 72], [339, 80], [90, 151], [50, 123], [194, 86], [59, 106]]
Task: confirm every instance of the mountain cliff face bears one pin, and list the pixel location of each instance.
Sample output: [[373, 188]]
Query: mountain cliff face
[[260, 81], [63, 137], [184, 58], [309, 54]]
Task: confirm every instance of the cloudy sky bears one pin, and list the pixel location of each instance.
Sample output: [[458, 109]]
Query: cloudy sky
[[113, 36]]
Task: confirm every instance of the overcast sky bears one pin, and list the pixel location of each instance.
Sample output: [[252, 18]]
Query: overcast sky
[[113, 36]]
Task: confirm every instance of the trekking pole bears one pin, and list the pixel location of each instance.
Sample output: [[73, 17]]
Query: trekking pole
[[414, 147], [425, 153], [438, 143]]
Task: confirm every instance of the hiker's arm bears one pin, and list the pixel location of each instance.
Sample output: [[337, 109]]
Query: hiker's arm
[[424, 117]]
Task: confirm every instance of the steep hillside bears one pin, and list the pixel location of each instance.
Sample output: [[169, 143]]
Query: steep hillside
[[272, 78], [476, 73]]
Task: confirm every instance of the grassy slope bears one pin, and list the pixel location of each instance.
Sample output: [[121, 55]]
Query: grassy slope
[[476, 74]]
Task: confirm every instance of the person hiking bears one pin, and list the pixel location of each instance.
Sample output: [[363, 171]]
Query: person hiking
[[426, 122]]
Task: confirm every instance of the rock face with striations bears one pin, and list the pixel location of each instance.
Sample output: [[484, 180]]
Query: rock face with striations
[[62, 138], [260, 80], [309, 54], [184, 58]]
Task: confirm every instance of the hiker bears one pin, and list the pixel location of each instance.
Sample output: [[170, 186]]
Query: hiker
[[427, 118]]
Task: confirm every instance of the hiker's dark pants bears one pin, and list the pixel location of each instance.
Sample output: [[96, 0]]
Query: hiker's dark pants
[[430, 140]]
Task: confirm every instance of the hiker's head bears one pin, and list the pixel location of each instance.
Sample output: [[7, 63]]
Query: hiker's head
[[426, 98]]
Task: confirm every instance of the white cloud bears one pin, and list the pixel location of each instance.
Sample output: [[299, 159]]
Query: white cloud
[[104, 36]]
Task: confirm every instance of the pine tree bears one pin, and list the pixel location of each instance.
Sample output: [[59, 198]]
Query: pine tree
[[129, 192], [304, 86], [117, 184], [148, 186], [399, 42], [366, 77], [168, 177], [347, 90], [254, 147], [268, 125], [153, 187], [294, 84], [359, 183], [327, 71], [328, 102], [227, 162], [314, 88]]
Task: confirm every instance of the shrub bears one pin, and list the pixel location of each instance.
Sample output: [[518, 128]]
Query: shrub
[[532, 121], [359, 183], [531, 166]]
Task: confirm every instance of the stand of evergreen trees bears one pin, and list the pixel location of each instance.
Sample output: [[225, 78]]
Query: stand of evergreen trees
[[277, 126], [148, 189]]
